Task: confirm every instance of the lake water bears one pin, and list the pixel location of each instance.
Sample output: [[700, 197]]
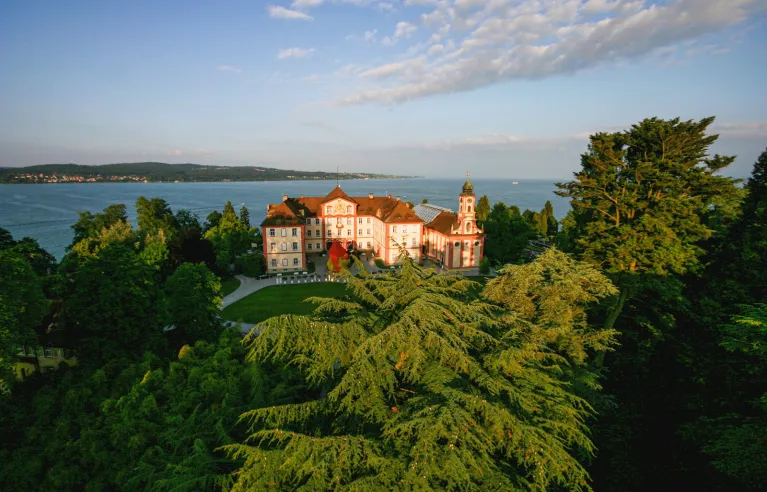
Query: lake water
[[46, 212]]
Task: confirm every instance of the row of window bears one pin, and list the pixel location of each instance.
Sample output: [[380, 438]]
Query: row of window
[[283, 246], [285, 262], [330, 233], [283, 232]]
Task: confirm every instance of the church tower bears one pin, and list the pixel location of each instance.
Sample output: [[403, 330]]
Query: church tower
[[467, 217]]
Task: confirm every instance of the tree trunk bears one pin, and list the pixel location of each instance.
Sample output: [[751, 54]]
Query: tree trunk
[[612, 316]]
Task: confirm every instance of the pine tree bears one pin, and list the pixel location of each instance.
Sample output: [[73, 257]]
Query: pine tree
[[639, 198], [412, 382], [483, 209], [245, 216]]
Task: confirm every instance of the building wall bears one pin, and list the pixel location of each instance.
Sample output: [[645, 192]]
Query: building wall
[[284, 251]]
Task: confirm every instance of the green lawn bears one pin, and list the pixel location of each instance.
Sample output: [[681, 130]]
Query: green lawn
[[229, 286], [280, 299]]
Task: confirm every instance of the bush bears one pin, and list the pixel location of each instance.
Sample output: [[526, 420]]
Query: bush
[[331, 266], [484, 266], [311, 267], [379, 263], [251, 265]]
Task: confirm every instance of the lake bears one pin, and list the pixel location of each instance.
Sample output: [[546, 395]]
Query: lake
[[46, 211]]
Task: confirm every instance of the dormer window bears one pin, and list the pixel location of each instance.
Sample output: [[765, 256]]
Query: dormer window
[[328, 209]]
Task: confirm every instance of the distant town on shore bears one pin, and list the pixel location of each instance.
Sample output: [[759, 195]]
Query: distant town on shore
[[148, 172]]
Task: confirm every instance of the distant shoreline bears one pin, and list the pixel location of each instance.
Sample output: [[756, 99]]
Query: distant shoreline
[[201, 181]]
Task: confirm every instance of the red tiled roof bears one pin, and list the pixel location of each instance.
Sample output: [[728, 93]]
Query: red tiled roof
[[443, 222], [338, 193]]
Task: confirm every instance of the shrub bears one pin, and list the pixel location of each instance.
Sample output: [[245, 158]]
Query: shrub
[[251, 265], [311, 267], [379, 263], [484, 266]]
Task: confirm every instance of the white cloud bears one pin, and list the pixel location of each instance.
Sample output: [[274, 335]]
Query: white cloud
[[527, 39], [294, 53], [277, 12], [436, 49], [743, 129], [228, 68], [177, 152], [306, 4], [404, 30]]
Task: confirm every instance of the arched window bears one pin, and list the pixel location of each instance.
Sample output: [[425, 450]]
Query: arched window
[[468, 227], [469, 209]]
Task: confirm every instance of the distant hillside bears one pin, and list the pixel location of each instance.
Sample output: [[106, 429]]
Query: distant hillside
[[158, 171]]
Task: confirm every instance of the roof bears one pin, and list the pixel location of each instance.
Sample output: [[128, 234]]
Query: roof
[[294, 211], [428, 212], [468, 188], [443, 222]]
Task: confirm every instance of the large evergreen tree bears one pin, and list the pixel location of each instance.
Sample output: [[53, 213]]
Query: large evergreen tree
[[413, 383], [483, 209], [640, 196]]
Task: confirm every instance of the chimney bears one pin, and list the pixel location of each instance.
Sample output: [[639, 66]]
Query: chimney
[[370, 195], [302, 196], [284, 198], [397, 198]]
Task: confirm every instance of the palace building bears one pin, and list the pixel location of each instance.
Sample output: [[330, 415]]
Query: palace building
[[381, 226]]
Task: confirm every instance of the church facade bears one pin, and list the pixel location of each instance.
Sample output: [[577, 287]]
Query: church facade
[[380, 226]]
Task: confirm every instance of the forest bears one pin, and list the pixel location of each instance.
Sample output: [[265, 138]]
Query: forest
[[628, 353]]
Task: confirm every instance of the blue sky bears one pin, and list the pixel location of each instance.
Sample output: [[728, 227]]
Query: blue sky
[[508, 88]]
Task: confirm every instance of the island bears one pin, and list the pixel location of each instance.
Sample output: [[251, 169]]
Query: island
[[147, 172]]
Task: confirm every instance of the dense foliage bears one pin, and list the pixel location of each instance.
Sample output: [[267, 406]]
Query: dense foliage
[[630, 357]]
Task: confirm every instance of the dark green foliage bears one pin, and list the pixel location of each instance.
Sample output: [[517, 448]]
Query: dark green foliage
[[89, 225], [212, 220], [245, 216], [483, 209], [419, 386], [229, 236], [508, 235], [115, 307], [379, 263], [425, 200], [194, 303], [154, 215], [251, 265], [484, 266]]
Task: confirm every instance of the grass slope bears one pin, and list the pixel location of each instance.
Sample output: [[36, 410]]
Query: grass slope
[[280, 299]]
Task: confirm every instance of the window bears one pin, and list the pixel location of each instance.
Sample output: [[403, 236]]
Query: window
[[283, 232], [368, 232], [348, 209], [273, 246], [393, 229], [274, 263], [412, 242], [360, 244], [368, 220], [308, 221], [328, 209], [476, 243], [295, 246], [468, 227], [359, 221], [469, 209], [272, 232], [295, 261], [348, 232], [457, 244], [308, 233], [330, 232], [359, 233], [295, 232], [284, 246], [316, 221], [404, 229], [348, 221], [468, 200], [317, 247], [368, 244], [309, 246], [284, 262]]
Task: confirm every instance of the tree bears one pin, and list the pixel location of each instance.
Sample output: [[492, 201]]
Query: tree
[[483, 209], [194, 303], [6, 239], [115, 307], [153, 215], [640, 196], [212, 220], [551, 221], [22, 306], [89, 225], [411, 383], [186, 220], [508, 235], [230, 238], [484, 266], [425, 200], [245, 216]]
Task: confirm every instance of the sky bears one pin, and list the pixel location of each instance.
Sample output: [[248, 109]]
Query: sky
[[502, 88]]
